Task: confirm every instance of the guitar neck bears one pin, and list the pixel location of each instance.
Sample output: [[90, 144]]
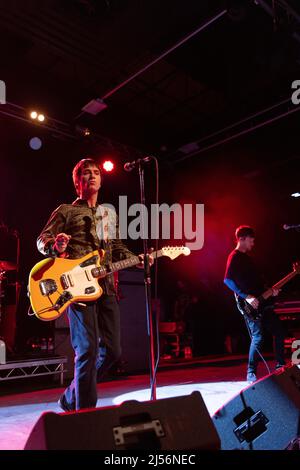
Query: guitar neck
[[123, 264], [268, 293], [132, 261]]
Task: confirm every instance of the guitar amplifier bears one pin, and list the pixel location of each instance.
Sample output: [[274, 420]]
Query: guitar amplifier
[[62, 322], [62, 343], [63, 347], [289, 313], [287, 307], [134, 335], [171, 327]]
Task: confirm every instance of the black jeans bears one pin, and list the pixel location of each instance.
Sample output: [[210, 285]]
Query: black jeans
[[95, 337], [271, 322]]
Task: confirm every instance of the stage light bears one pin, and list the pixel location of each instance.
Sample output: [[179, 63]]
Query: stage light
[[108, 166], [35, 143], [2, 92], [83, 131], [94, 106], [35, 115], [295, 195]]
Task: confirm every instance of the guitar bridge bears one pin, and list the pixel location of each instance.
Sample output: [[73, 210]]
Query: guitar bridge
[[48, 286]]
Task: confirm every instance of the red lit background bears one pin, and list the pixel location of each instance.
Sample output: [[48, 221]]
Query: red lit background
[[232, 70]]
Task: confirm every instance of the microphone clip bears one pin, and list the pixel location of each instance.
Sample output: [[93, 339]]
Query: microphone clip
[[136, 163], [289, 227]]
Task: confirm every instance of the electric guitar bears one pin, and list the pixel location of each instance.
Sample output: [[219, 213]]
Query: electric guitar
[[256, 313], [55, 283]]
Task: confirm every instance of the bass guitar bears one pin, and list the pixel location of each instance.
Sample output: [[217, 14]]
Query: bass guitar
[[55, 283], [254, 314]]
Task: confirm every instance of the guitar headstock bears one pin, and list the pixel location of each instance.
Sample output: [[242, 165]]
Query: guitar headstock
[[296, 267], [174, 251]]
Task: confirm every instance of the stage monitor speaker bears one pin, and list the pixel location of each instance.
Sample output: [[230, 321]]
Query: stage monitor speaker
[[264, 416], [169, 424]]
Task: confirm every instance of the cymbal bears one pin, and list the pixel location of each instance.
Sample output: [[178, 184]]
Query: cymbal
[[7, 266]]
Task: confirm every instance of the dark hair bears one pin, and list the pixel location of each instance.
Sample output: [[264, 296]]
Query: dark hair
[[244, 231], [81, 165]]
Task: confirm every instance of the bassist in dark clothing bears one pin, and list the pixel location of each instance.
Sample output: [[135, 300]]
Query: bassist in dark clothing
[[244, 279]]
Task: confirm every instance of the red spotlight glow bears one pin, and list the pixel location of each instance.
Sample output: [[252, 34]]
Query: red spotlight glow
[[108, 166]]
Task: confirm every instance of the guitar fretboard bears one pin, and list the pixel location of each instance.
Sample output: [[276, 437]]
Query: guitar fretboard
[[123, 264], [286, 279], [279, 284]]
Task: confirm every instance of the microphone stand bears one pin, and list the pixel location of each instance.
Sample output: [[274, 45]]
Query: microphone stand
[[147, 281]]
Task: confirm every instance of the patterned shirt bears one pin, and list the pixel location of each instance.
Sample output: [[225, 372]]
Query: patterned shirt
[[91, 228]]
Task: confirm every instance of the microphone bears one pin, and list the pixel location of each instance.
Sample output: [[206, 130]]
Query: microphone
[[288, 227], [131, 165]]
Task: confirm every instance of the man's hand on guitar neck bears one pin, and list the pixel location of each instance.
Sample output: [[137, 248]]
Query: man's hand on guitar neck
[[275, 291], [141, 264], [253, 301]]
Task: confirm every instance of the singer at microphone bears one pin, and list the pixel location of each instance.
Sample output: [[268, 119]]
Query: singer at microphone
[[288, 227], [131, 165]]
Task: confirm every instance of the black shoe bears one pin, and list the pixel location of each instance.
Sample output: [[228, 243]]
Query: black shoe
[[251, 377], [63, 404]]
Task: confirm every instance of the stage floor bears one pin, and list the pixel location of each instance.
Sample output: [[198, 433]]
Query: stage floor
[[217, 380]]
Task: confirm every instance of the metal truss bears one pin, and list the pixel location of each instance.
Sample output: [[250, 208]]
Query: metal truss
[[274, 6], [233, 131], [67, 131], [33, 368]]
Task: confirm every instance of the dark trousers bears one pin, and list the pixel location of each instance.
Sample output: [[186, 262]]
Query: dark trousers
[[95, 338], [271, 322]]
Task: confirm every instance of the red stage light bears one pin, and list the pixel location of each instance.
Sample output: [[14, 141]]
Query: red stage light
[[108, 166]]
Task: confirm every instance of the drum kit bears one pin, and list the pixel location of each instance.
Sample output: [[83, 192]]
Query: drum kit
[[5, 266], [9, 289]]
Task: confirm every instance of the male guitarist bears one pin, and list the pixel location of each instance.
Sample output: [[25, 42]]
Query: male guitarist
[[245, 280], [72, 231]]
